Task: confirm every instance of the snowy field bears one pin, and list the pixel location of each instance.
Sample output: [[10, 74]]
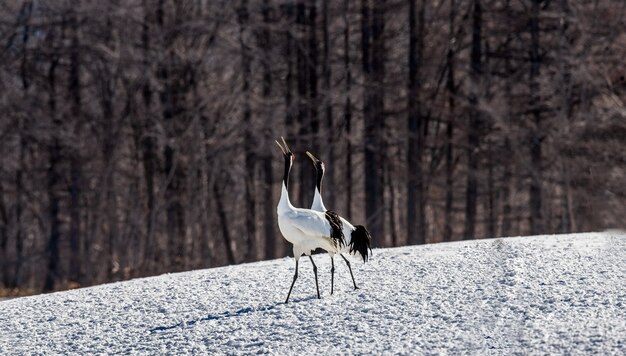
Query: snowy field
[[558, 294]]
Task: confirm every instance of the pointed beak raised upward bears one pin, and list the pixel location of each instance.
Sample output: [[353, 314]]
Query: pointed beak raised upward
[[285, 143], [279, 146], [315, 160]]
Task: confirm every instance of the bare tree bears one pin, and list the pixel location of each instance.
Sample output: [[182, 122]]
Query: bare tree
[[416, 217], [473, 138], [137, 137]]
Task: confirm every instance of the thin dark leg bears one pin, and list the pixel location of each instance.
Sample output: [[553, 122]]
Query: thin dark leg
[[332, 274], [350, 268], [315, 272], [295, 276]]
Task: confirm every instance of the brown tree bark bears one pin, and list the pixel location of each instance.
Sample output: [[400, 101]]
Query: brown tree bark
[[507, 175], [75, 166], [304, 120], [566, 112], [171, 75], [373, 50], [224, 224], [536, 136], [16, 281], [452, 92], [5, 271], [269, 205], [312, 79], [287, 11], [473, 138], [331, 135], [416, 218], [347, 110], [151, 255], [249, 137], [53, 179], [491, 193]]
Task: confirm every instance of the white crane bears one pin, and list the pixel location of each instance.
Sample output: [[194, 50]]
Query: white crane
[[355, 239], [306, 229]]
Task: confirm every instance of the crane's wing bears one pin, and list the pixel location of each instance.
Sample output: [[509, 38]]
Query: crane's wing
[[346, 224], [310, 222]]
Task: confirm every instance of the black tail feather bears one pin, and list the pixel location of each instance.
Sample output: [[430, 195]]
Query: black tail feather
[[336, 229], [360, 242]]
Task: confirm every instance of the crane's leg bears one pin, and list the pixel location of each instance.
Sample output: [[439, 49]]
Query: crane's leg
[[295, 276], [332, 274], [350, 268], [315, 272]]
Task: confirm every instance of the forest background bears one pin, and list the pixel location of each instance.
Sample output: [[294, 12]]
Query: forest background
[[136, 137]]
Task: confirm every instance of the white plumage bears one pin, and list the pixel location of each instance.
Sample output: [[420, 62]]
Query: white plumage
[[347, 229], [304, 228], [309, 229]]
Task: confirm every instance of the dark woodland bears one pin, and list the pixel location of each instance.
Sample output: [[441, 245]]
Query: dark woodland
[[137, 137]]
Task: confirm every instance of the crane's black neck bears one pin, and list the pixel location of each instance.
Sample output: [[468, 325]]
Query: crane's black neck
[[287, 169], [319, 169]]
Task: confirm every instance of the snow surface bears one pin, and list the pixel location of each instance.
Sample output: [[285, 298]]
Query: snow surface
[[544, 294]]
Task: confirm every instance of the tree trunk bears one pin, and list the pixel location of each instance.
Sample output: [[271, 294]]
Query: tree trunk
[[347, 111], [507, 180], [53, 180], [473, 126], [331, 136], [491, 214], [566, 221], [150, 254], [4, 241], [312, 64], [536, 220], [415, 191], [305, 190], [250, 146], [19, 177], [373, 48], [75, 214], [287, 11], [75, 169], [566, 111], [268, 200], [507, 176], [221, 213], [171, 75], [108, 179], [19, 193], [391, 205], [451, 86], [378, 151]]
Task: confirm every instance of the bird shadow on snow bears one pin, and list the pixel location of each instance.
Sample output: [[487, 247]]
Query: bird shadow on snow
[[226, 314]]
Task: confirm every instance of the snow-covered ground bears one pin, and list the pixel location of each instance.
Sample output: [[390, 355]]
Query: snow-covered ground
[[544, 294]]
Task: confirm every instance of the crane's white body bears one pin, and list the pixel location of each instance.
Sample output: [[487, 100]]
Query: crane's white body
[[347, 227], [306, 229]]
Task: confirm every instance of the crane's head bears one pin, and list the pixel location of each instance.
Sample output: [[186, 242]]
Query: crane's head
[[289, 156], [319, 168], [319, 165]]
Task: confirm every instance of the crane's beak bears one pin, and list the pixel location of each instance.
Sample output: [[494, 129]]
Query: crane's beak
[[279, 146], [285, 143], [315, 160]]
